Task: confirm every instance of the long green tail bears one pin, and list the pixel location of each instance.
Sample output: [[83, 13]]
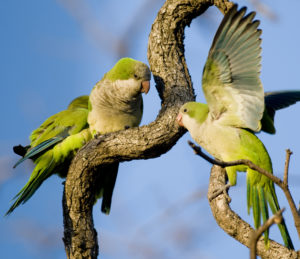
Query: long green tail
[[273, 202], [41, 172], [258, 198]]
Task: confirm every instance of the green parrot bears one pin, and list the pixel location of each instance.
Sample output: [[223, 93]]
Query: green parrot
[[115, 103], [235, 107]]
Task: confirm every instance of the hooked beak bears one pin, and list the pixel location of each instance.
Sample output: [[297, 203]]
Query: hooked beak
[[179, 119], [145, 87]]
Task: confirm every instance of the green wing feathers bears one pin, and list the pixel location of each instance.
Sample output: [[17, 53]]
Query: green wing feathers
[[34, 151], [231, 82], [53, 145]]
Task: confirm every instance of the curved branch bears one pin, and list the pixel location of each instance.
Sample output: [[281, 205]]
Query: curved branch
[[234, 226], [173, 82], [282, 184]]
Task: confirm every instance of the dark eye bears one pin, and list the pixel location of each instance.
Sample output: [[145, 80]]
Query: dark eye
[[185, 110], [135, 76]]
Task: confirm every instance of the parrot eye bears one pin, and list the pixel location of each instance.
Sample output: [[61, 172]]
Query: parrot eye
[[135, 76], [185, 110]]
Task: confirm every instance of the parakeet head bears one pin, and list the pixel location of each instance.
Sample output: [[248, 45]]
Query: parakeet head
[[136, 73], [192, 114]]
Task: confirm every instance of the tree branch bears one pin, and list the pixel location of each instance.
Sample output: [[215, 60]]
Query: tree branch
[[234, 226], [282, 184], [275, 219], [174, 85]]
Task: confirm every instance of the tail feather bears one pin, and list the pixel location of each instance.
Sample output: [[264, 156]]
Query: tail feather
[[39, 149], [249, 200], [258, 198], [38, 176], [282, 226], [265, 212], [109, 184], [256, 207], [105, 185]]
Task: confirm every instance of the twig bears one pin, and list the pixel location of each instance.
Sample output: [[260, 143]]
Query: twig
[[237, 228], [282, 184], [286, 166], [221, 191], [247, 162], [275, 219]]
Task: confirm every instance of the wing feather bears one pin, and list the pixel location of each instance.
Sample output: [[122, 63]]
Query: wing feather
[[231, 82]]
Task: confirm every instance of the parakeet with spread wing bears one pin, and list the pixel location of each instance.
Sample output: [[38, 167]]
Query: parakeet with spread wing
[[114, 104], [225, 126]]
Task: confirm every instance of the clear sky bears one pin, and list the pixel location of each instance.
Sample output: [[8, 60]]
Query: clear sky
[[54, 51]]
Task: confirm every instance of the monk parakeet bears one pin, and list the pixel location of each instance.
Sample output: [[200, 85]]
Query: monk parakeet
[[225, 126], [115, 103]]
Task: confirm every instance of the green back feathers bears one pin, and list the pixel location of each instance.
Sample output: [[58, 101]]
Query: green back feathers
[[70, 121], [53, 145]]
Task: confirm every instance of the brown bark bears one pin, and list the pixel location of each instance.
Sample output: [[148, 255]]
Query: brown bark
[[173, 82], [174, 85], [234, 226]]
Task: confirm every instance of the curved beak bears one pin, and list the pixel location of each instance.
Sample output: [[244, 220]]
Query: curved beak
[[145, 87], [179, 119]]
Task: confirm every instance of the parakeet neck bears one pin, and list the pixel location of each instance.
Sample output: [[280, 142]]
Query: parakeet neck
[[116, 96], [115, 105]]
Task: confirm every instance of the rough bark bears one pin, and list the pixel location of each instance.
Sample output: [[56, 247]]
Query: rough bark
[[173, 82], [174, 85], [234, 226]]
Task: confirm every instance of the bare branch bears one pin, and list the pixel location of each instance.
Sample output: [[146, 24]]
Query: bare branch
[[282, 184], [234, 226], [286, 166], [275, 219], [247, 162], [174, 85]]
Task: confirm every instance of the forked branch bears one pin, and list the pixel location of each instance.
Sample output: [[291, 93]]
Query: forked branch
[[174, 85], [234, 226], [282, 184]]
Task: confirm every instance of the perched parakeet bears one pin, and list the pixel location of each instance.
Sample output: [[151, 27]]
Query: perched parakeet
[[115, 103], [225, 126]]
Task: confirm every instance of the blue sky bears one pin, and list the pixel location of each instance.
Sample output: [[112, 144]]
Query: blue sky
[[52, 52]]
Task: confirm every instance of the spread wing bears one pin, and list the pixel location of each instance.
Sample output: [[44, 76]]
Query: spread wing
[[275, 101], [231, 82]]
